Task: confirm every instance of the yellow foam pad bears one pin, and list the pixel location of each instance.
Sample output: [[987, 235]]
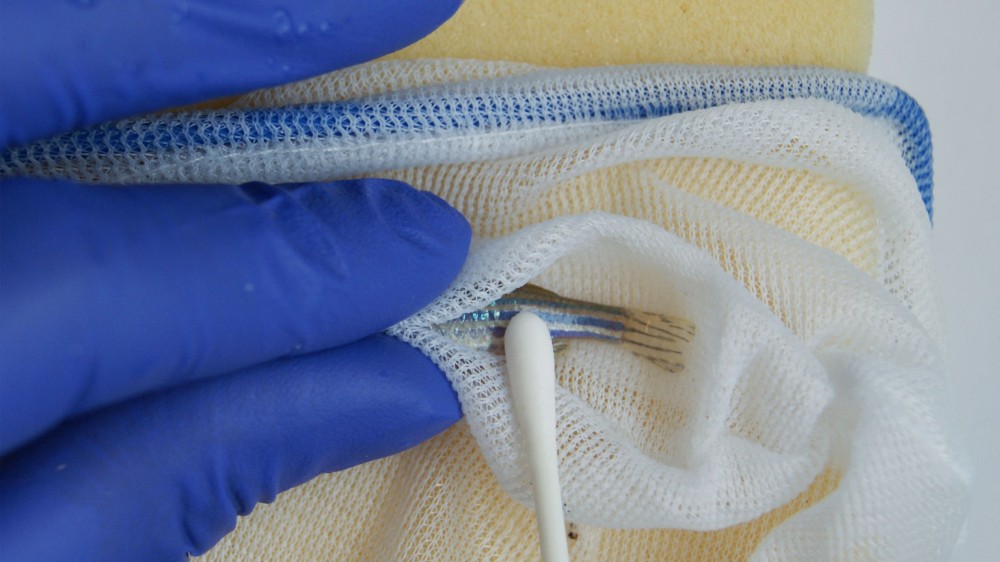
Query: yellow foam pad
[[830, 33]]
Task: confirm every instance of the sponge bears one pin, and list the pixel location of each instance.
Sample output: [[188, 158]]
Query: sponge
[[829, 33]]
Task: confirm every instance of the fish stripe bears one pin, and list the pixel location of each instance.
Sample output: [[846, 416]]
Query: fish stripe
[[649, 335]]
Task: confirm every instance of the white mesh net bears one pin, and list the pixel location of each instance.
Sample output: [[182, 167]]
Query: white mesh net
[[400, 114], [810, 421]]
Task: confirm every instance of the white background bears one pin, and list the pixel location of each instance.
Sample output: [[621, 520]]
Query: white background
[[947, 56]]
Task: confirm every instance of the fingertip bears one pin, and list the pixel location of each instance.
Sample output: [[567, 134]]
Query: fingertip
[[413, 400], [202, 280], [401, 248], [168, 473], [73, 64], [422, 219]]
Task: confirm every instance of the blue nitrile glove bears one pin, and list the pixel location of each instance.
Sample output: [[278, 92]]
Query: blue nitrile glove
[[172, 355]]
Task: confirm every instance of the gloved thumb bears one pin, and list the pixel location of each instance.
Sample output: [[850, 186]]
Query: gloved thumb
[[166, 474]]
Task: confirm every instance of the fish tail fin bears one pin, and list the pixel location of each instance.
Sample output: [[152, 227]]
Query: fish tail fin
[[661, 339]]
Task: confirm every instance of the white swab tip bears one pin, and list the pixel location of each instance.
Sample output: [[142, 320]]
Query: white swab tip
[[531, 366]]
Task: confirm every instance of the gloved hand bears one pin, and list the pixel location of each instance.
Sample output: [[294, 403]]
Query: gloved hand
[[173, 355]]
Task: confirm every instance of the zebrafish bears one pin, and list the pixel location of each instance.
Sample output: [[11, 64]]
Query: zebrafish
[[658, 338]]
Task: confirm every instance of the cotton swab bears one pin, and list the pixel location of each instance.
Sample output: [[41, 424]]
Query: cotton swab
[[531, 366]]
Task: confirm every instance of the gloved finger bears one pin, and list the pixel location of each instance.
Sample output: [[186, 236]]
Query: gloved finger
[[69, 64], [110, 292], [167, 474]]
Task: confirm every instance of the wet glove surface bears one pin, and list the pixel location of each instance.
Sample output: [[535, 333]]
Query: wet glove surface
[[79, 62], [172, 355]]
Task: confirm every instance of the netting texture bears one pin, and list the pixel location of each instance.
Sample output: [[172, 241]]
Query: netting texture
[[782, 211], [503, 110]]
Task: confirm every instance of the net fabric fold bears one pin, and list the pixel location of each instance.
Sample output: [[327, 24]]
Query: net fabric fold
[[431, 115], [811, 420], [652, 470]]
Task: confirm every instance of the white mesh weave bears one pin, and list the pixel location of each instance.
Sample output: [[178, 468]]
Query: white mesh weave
[[811, 420], [671, 477], [357, 126]]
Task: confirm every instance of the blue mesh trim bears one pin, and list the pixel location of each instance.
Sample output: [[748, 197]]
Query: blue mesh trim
[[503, 108]]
